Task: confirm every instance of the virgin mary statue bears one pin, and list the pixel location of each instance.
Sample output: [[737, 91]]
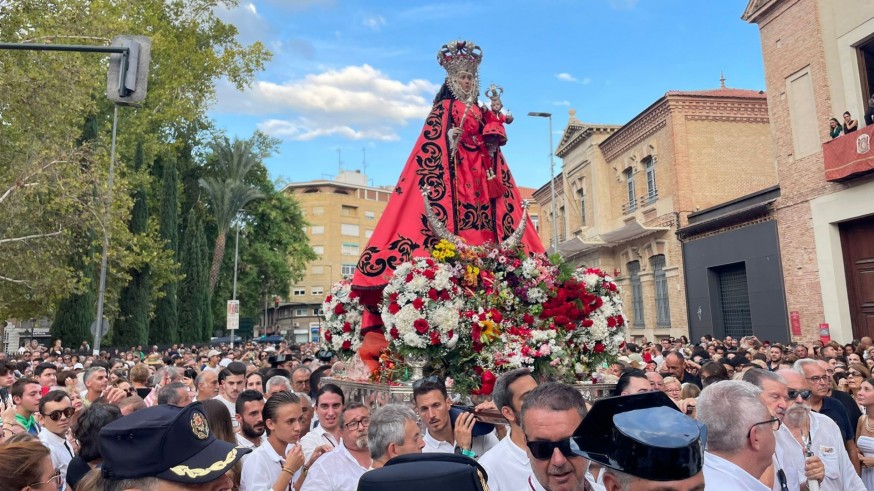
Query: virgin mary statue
[[469, 189]]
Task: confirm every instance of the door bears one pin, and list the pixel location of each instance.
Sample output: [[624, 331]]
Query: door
[[857, 242]]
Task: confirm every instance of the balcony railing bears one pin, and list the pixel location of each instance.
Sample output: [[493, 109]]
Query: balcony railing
[[649, 198], [629, 207], [849, 156]]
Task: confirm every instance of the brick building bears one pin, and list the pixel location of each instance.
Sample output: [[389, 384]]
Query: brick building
[[819, 62], [624, 191], [341, 215]]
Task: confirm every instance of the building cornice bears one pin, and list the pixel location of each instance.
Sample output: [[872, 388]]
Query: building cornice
[[641, 127]]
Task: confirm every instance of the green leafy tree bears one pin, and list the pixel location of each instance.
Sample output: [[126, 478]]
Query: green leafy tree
[[193, 286], [132, 324], [228, 193], [164, 324], [205, 295]]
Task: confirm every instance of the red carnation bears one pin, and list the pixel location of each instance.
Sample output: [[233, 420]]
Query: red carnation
[[394, 297], [328, 336], [394, 308], [329, 298], [620, 320], [611, 322], [428, 273], [496, 316], [409, 277], [588, 323], [339, 310], [421, 326], [432, 294], [347, 327], [599, 348], [444, 295], [394, 333], [418, 303], [435, 338], [528, 318], [347, 345]]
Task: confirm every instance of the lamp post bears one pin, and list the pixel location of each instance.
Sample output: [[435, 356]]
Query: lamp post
[[551, 178]]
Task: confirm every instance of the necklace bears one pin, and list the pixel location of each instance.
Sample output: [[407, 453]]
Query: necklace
[[868, 426]]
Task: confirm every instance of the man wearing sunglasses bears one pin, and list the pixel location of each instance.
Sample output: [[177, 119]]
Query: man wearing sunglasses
[[810, 433], [550, 414], [55, 410]]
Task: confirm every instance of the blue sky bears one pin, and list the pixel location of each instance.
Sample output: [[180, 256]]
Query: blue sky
[[354, 75]]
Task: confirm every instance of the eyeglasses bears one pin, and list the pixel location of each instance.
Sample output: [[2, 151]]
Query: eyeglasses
[[543, 450], [853, 374], [774, 422], [431, 379], [354, 425], [55, 479], [56, 415], [818, 379], [830, 371], [793, 394]]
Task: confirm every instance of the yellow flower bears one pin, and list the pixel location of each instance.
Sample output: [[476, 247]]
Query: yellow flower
[[490, 331]]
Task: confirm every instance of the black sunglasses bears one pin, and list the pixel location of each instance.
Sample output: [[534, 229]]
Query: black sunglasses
[[56, 415], [543, 450], [805, 394], [431, 379]]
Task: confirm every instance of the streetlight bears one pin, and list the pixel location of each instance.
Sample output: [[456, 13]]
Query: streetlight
[[551, 178]]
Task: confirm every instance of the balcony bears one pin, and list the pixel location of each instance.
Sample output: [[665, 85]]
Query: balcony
[[849, 156], [629, 207], [649, 198]]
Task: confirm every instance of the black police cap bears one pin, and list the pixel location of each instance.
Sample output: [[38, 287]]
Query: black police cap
[[167, 442], [426, 472], [644, 435]]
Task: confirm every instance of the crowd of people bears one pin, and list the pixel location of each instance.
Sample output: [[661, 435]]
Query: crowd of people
[[732, 413]]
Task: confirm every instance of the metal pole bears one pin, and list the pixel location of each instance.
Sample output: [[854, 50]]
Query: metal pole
[[101, 293], [236, 259], [552, 188]]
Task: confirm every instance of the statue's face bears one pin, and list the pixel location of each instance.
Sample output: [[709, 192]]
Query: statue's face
[[465, 82]]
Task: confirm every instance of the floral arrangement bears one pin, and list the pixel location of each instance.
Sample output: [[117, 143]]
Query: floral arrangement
[[343, 312], [482, 311], [421, 306]]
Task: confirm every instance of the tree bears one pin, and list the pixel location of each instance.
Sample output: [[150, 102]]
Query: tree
[[193, 286], [204, 301], [164, 324], [132, 323], [227, 192]]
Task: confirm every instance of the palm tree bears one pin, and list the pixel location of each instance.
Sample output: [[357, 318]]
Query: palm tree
[[227, 193]]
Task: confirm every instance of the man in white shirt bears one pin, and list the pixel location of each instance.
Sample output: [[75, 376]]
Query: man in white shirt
[[329, 406], [507, 462], [805, 431], [232, 381], [433, 404], [207, 385], [394, 430], [740, 438], [56, 409], [340, 469], [212, 365], [249, 405]]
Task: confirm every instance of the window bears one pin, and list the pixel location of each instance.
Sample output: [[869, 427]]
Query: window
[[318, 210], [368, 234], [631, 203], [582, 197], [660, 281], [636, 293], [318, 270], [349, 249], [535, 219], [735, 301], [298, 291], [349, 229], [319, 250], [651, 192], [317, 290], [369, 215], [318, 229], [300, 312], [348, 269], [348, 211], [563, 227], [318, 311]]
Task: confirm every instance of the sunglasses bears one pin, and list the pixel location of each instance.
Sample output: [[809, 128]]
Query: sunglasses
[[431, 379], [543, 450], [805, 394], [56, 415]]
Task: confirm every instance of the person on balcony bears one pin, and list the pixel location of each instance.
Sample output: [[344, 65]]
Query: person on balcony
[[835, 128], [850, 124]]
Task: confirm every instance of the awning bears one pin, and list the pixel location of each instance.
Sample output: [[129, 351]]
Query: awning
[[739, 215], [576, 245], [632, 230]]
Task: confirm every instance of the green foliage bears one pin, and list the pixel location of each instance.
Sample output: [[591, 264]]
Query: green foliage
[[164, 324], [75, 313], [132, 324], [204, 294], [192, 289]]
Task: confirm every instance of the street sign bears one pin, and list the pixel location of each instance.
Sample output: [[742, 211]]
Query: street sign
[[104, 328], [233, 315], [128, 75]]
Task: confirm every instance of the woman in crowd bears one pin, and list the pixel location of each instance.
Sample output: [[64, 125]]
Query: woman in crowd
[[27, 466], [86, 430], [219, 420], [672, 388], [865, 432], [255, 381], [835, 128], [850, 124], [855, 375]]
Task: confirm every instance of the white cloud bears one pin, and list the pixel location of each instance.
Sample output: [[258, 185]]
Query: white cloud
[[566, 77], [249, 23], [374, 22], [355, 102], [561, 103], [251, 8]]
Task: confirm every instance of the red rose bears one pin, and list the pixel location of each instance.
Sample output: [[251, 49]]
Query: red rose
[[339, 310], [433, 295], [611, 322], [429, 262], [496, 316], [329, 298], [428, 273], [435, 338], [394, 308], [444, 295], [421, 326], [394, 333], [394, 297], [528, 318], [418, 303], [328, 336], [588, 323], [347, 327], [409, 277], [347, 345], [620, 320], [599, 348]]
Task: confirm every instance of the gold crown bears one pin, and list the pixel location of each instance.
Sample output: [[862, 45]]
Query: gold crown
[[460, 56], [494, 92]]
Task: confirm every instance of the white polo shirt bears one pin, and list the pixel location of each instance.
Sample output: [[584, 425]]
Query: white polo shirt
[[262, 468], [507, 466], [479, 444], [336, 470], [723, 475], [314, 439]]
